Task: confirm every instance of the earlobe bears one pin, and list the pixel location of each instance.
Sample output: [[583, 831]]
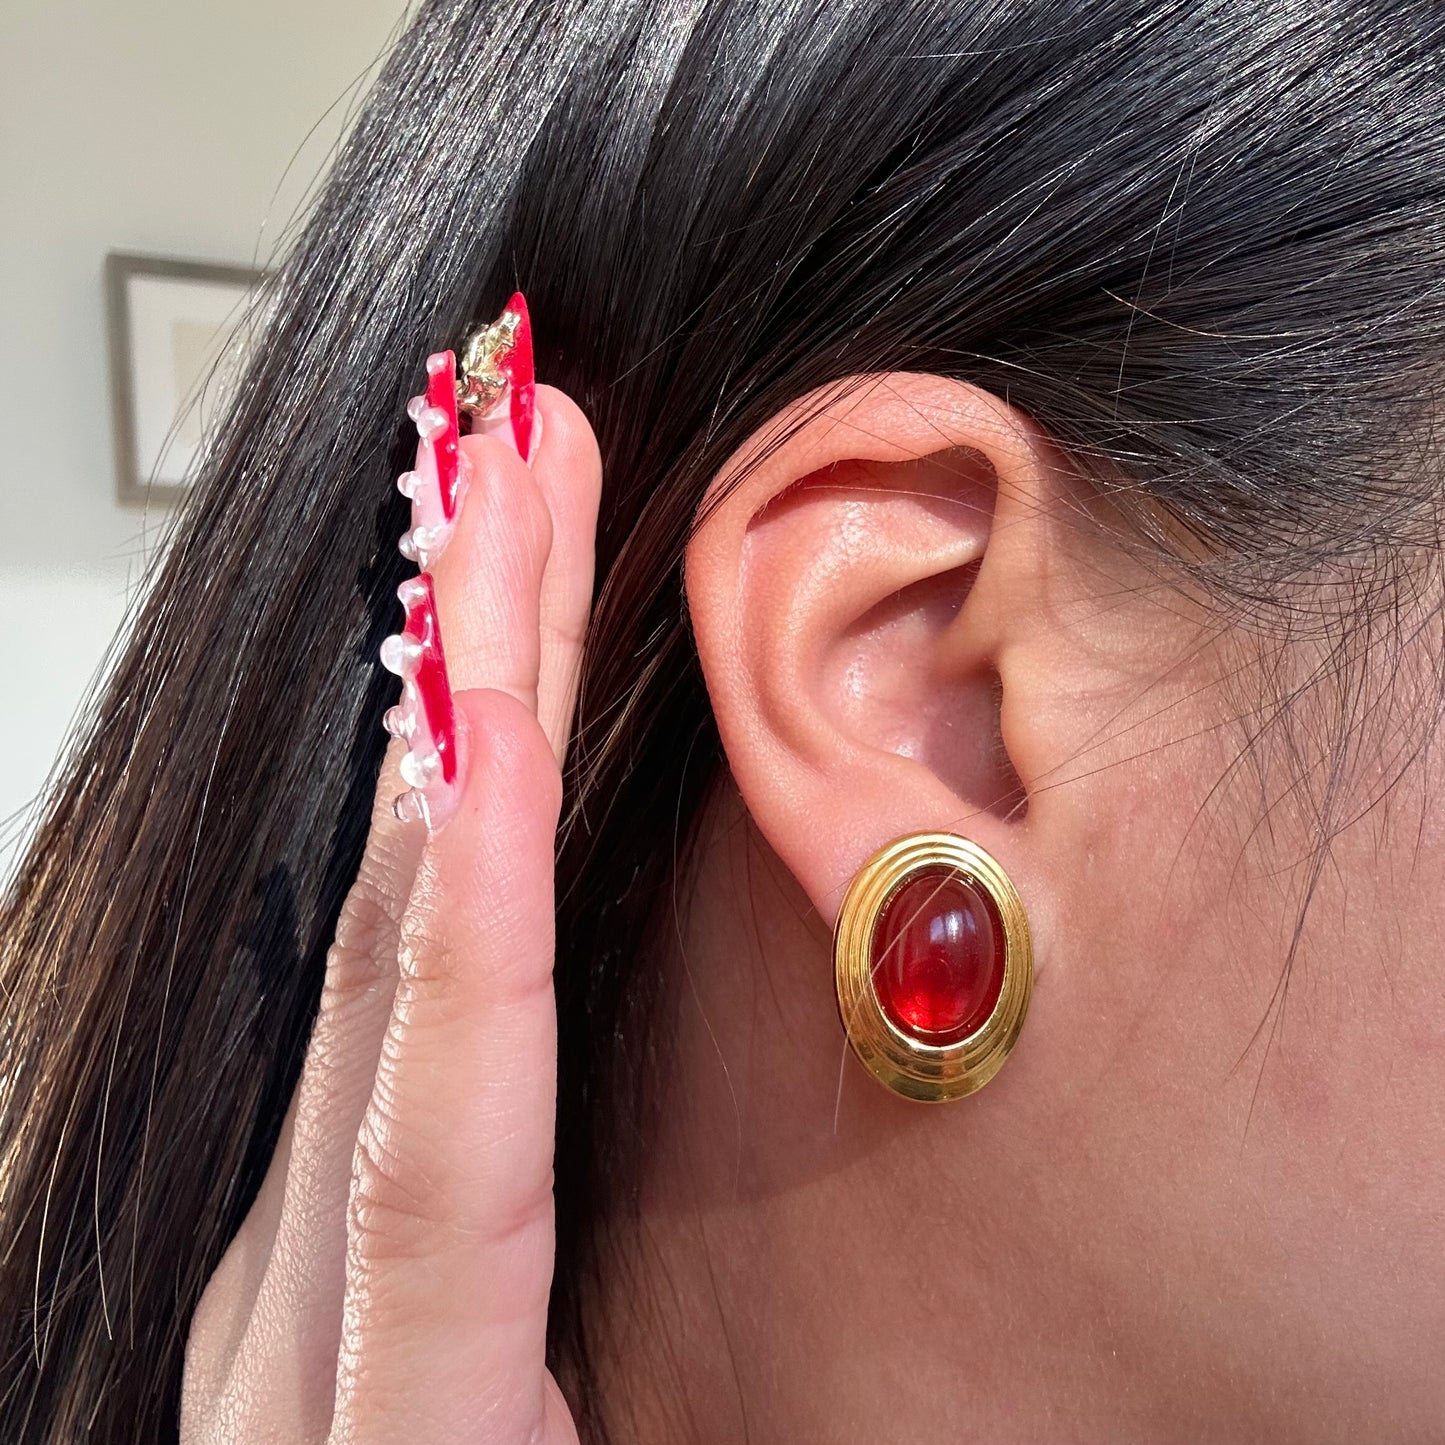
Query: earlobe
[[850, 617]]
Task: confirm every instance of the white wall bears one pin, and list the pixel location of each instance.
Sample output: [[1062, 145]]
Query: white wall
[[177, 127]]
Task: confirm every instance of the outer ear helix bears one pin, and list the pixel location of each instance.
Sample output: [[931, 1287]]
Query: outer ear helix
[[933, 962]]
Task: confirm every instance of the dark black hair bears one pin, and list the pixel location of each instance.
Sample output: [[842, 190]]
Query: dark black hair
[[1202, 242]]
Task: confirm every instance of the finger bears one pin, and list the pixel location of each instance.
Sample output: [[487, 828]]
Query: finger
[[488, 580], [274, 1306], [451, 1225], [489, 600], [218, 1326], [568, 469]]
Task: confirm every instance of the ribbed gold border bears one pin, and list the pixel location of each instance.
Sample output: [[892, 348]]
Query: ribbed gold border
[[930, 1073]]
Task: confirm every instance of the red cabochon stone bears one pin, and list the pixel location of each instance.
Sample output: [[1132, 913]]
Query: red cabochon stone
[[937, 956]]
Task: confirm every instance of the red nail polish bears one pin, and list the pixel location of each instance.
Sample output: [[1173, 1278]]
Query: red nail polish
[[436, 485], [441, 394], [433, 688], [517, 368], [426, 715], [497, 360]]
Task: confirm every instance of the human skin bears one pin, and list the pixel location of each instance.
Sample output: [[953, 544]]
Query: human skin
[[391, 1280], [1189, 1208], [1193, 1206]]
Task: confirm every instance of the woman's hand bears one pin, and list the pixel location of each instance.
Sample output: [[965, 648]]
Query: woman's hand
[[391, 1281]]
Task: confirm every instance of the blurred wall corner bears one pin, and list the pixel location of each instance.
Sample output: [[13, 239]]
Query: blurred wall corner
[[169, 128]]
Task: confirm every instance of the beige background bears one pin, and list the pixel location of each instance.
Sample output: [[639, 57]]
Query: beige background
[[189, 128]]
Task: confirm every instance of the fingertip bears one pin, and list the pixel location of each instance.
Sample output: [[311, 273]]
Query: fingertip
[[569, 476], [489, 862], [511, 775], [568, 442]]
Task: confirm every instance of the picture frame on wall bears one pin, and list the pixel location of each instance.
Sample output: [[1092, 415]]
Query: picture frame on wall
[[178, 332]]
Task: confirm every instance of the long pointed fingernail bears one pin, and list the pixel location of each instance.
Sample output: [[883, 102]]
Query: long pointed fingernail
[[517, 366], [442, 473], [425, 718], [498, 388]]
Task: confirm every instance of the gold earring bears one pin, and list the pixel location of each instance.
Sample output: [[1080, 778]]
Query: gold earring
[[934, 966]]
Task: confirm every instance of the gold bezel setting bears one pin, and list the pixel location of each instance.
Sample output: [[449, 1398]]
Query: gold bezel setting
[[930, 1073]]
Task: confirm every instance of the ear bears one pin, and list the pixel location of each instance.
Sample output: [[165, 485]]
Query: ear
[[861, 587]]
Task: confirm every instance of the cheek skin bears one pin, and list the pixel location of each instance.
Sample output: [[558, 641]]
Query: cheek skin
[[1192, 1205], [1183, 1235], [1270, 1152], [1275, 1151]]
